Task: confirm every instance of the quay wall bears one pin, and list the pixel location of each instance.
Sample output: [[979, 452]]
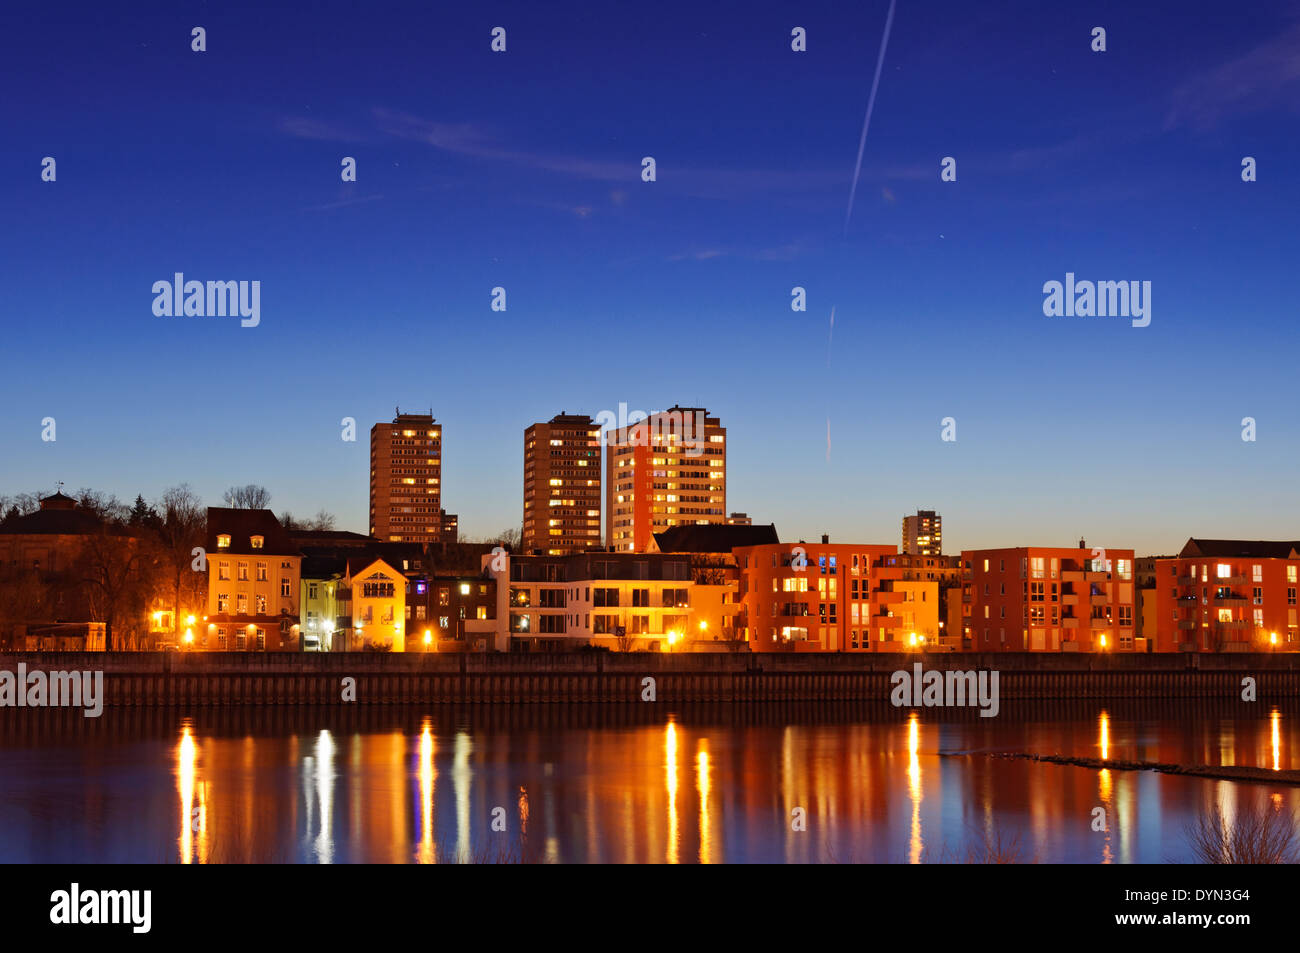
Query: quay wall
[[234, 678]]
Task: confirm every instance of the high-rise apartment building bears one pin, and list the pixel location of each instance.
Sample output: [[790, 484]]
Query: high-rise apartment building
[[667, 470], [923, 534], [562, 486], [406, 480]]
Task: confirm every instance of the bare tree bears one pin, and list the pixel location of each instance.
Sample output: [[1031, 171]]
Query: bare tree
[[181, 528], [247, 497], [112, 568], [323, 520], [1254, 835]]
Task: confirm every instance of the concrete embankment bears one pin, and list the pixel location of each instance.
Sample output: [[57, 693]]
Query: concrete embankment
[[233, 678]]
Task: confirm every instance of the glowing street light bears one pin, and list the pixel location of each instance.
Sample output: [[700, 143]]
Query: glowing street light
[[673, 638], [428, 636], [1103, 640]]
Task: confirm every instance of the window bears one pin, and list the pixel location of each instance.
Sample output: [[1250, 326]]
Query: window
[[311, 590], [261, 640], [1126, 616], [241, 603], [223, 602], [1223, 570], [243, 572], [223, 541], [256, 541], [223, 570], [261, 604], [1290, 595], [1291, 573], [221, 639], [1256, 573], [261, 572], [641, 598], [1258, 596]]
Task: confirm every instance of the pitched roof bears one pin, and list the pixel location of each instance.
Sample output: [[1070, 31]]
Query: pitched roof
[[242, 525], [713, 537], [1241, 548]]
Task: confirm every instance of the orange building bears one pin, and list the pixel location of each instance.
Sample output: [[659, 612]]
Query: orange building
[[1045, 599], [831, 597], [667, 470], [1228, 595]]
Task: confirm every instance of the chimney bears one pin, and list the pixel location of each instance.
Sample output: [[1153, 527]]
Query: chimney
[[1082, 544], [825, 539]]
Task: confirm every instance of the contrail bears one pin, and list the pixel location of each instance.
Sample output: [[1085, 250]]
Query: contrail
[[871, 102]]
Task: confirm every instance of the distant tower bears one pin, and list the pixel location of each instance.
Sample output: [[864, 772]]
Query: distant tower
[[923, 534]]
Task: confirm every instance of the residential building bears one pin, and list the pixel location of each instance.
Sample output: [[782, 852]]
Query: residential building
[[372, 605], [1229, 595], [667, 470], [406, 480], [1048, 599], [739, 519], [621, 601], [946, 573], [562, 486], [254, 571], [923, 534], [830, 597], [715, 596]]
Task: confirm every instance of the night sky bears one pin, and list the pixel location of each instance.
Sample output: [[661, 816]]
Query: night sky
[[522, 170]]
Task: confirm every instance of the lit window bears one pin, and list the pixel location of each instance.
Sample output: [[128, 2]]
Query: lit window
[[223, 541]]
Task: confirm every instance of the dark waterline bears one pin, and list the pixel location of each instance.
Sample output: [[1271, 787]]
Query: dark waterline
[[628, 783]]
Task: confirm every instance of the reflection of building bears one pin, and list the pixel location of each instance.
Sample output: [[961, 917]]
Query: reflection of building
[[406, 480], [923, 534], [562, 485], [1050, 599], [831, 597], [1228, 595], [253, 583], [667, 470]]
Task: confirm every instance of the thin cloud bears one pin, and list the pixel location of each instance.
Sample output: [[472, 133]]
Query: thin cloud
[[1264, 77]]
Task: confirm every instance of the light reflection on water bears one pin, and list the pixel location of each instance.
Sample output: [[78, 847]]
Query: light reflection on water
[[704, 785]]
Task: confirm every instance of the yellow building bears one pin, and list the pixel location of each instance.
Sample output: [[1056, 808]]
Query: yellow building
[[372, 598]]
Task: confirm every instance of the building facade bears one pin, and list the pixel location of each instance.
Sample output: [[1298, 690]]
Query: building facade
[[254, 573], [406, 480], [1223, 595], [1046, 599], [830, 597], [562, 478], [667, 470]]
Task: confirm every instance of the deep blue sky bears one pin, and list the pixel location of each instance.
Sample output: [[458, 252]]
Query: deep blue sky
[[522, 170]]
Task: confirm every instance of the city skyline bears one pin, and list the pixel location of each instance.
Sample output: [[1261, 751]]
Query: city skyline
[[479, 170]]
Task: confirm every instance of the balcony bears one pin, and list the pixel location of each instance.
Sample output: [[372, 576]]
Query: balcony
[[1070, 599], [1231, 600], [1232, 626], [1186, 580], [1100, 600], [1100, 623], [1070, 623], [1187, 624]]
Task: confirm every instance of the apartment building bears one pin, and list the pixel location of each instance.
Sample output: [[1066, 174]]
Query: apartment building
[[667, 470], [1223, 595], [406, 480], [715, 595], [946, 572], [832, 597], [254, 571], [923, 534], [1046, 599], [562, 485], [622, 601]]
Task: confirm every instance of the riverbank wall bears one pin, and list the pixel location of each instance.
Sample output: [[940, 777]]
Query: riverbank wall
[[220, 679]]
